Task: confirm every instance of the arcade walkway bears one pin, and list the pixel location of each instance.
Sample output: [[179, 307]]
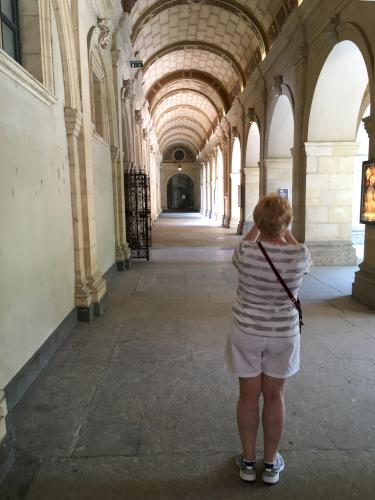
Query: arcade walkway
[[137, 405]]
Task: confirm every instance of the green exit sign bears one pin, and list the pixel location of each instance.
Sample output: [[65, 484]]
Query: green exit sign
[[136, 64]]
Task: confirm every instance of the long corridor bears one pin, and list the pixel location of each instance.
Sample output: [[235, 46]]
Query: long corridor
[[137, 404]]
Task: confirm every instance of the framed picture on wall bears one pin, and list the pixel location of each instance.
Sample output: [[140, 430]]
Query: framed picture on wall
[[367, 210]]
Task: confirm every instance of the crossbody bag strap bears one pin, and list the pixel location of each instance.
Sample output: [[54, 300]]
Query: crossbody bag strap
[[296, 301]]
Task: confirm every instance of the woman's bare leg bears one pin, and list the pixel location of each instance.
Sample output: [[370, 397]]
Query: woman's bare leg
[[273, 415], [248, 415]]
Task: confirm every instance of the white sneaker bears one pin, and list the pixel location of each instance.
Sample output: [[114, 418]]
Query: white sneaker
[[247, 471], [271, 472]]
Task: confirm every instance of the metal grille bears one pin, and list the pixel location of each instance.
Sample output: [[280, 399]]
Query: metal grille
[[138, 213]]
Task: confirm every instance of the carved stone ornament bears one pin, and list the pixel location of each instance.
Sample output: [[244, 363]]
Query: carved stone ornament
[[104, 31], [251, 116], [331, 30], [126, 89], [277, 88], [138, 117]]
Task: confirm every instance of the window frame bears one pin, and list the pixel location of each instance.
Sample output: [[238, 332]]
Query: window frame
[[15, 27]]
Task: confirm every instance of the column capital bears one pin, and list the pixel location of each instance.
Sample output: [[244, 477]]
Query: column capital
[[369, 123], [126, 89], [103, 30], [73, 121]]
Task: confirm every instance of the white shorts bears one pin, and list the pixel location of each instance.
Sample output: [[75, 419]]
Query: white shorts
[[250, 355]]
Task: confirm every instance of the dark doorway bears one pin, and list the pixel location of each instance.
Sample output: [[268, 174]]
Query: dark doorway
[[180, 193]]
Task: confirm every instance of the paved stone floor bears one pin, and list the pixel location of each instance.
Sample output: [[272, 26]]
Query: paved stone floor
[[136, 405]]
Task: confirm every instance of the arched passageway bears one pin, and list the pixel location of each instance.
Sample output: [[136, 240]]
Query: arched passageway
[[180, 193], [252, 170], [235, 182], [331, 151], [279, 162]]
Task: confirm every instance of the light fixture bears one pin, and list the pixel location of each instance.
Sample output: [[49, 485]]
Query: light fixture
[[179, 168]]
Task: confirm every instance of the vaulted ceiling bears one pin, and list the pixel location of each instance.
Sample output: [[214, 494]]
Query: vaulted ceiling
[[198, 55]]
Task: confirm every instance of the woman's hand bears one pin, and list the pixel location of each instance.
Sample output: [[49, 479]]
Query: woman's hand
[[253, 234]]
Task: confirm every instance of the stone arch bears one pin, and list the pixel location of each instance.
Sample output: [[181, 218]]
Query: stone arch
[[68, 54], [252, 174], [331, 149], [104, 59], [321, 51], [280, 140], [180, 192], [329, 119]]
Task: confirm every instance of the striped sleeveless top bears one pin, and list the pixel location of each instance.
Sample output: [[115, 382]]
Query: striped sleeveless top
[[262, 307]]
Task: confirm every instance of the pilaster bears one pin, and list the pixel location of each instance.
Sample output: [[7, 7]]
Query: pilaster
[[83, 300], [364, 281]]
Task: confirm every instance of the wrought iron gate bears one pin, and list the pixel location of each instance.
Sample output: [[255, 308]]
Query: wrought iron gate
[[138, 213]]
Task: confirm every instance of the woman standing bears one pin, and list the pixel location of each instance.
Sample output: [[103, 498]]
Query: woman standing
[[264, 345]]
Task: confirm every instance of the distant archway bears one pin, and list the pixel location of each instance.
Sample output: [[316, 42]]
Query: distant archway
[[279, 162], [252, 170], [180, 193], [332, 149], [236, 181]]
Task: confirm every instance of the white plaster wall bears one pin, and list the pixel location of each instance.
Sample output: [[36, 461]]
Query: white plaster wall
[[104, 211], [36, 246]]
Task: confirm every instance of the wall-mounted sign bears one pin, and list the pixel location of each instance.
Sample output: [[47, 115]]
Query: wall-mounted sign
[[136, 64], [283, 192], [367, 210]]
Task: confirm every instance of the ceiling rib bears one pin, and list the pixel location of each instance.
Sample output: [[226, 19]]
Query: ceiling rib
[[177, 91], [185, 128], [204, 47], [182, 106], [200, 76], [185, 134], [230, 6], [180, 118]]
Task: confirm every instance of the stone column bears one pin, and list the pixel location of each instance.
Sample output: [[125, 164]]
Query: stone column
[[298, 151], [82, 295], [95, 281], [203, 189], [242, 221], [7, 447], [121, 247], [364, 281], [208, 189], [213, 213], [329, 188], [252, 193], [227, 187], [138, 139], [119, 213]]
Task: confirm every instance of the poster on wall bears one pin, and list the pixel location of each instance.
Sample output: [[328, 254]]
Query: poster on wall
[[283, 192], [367, 209]]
